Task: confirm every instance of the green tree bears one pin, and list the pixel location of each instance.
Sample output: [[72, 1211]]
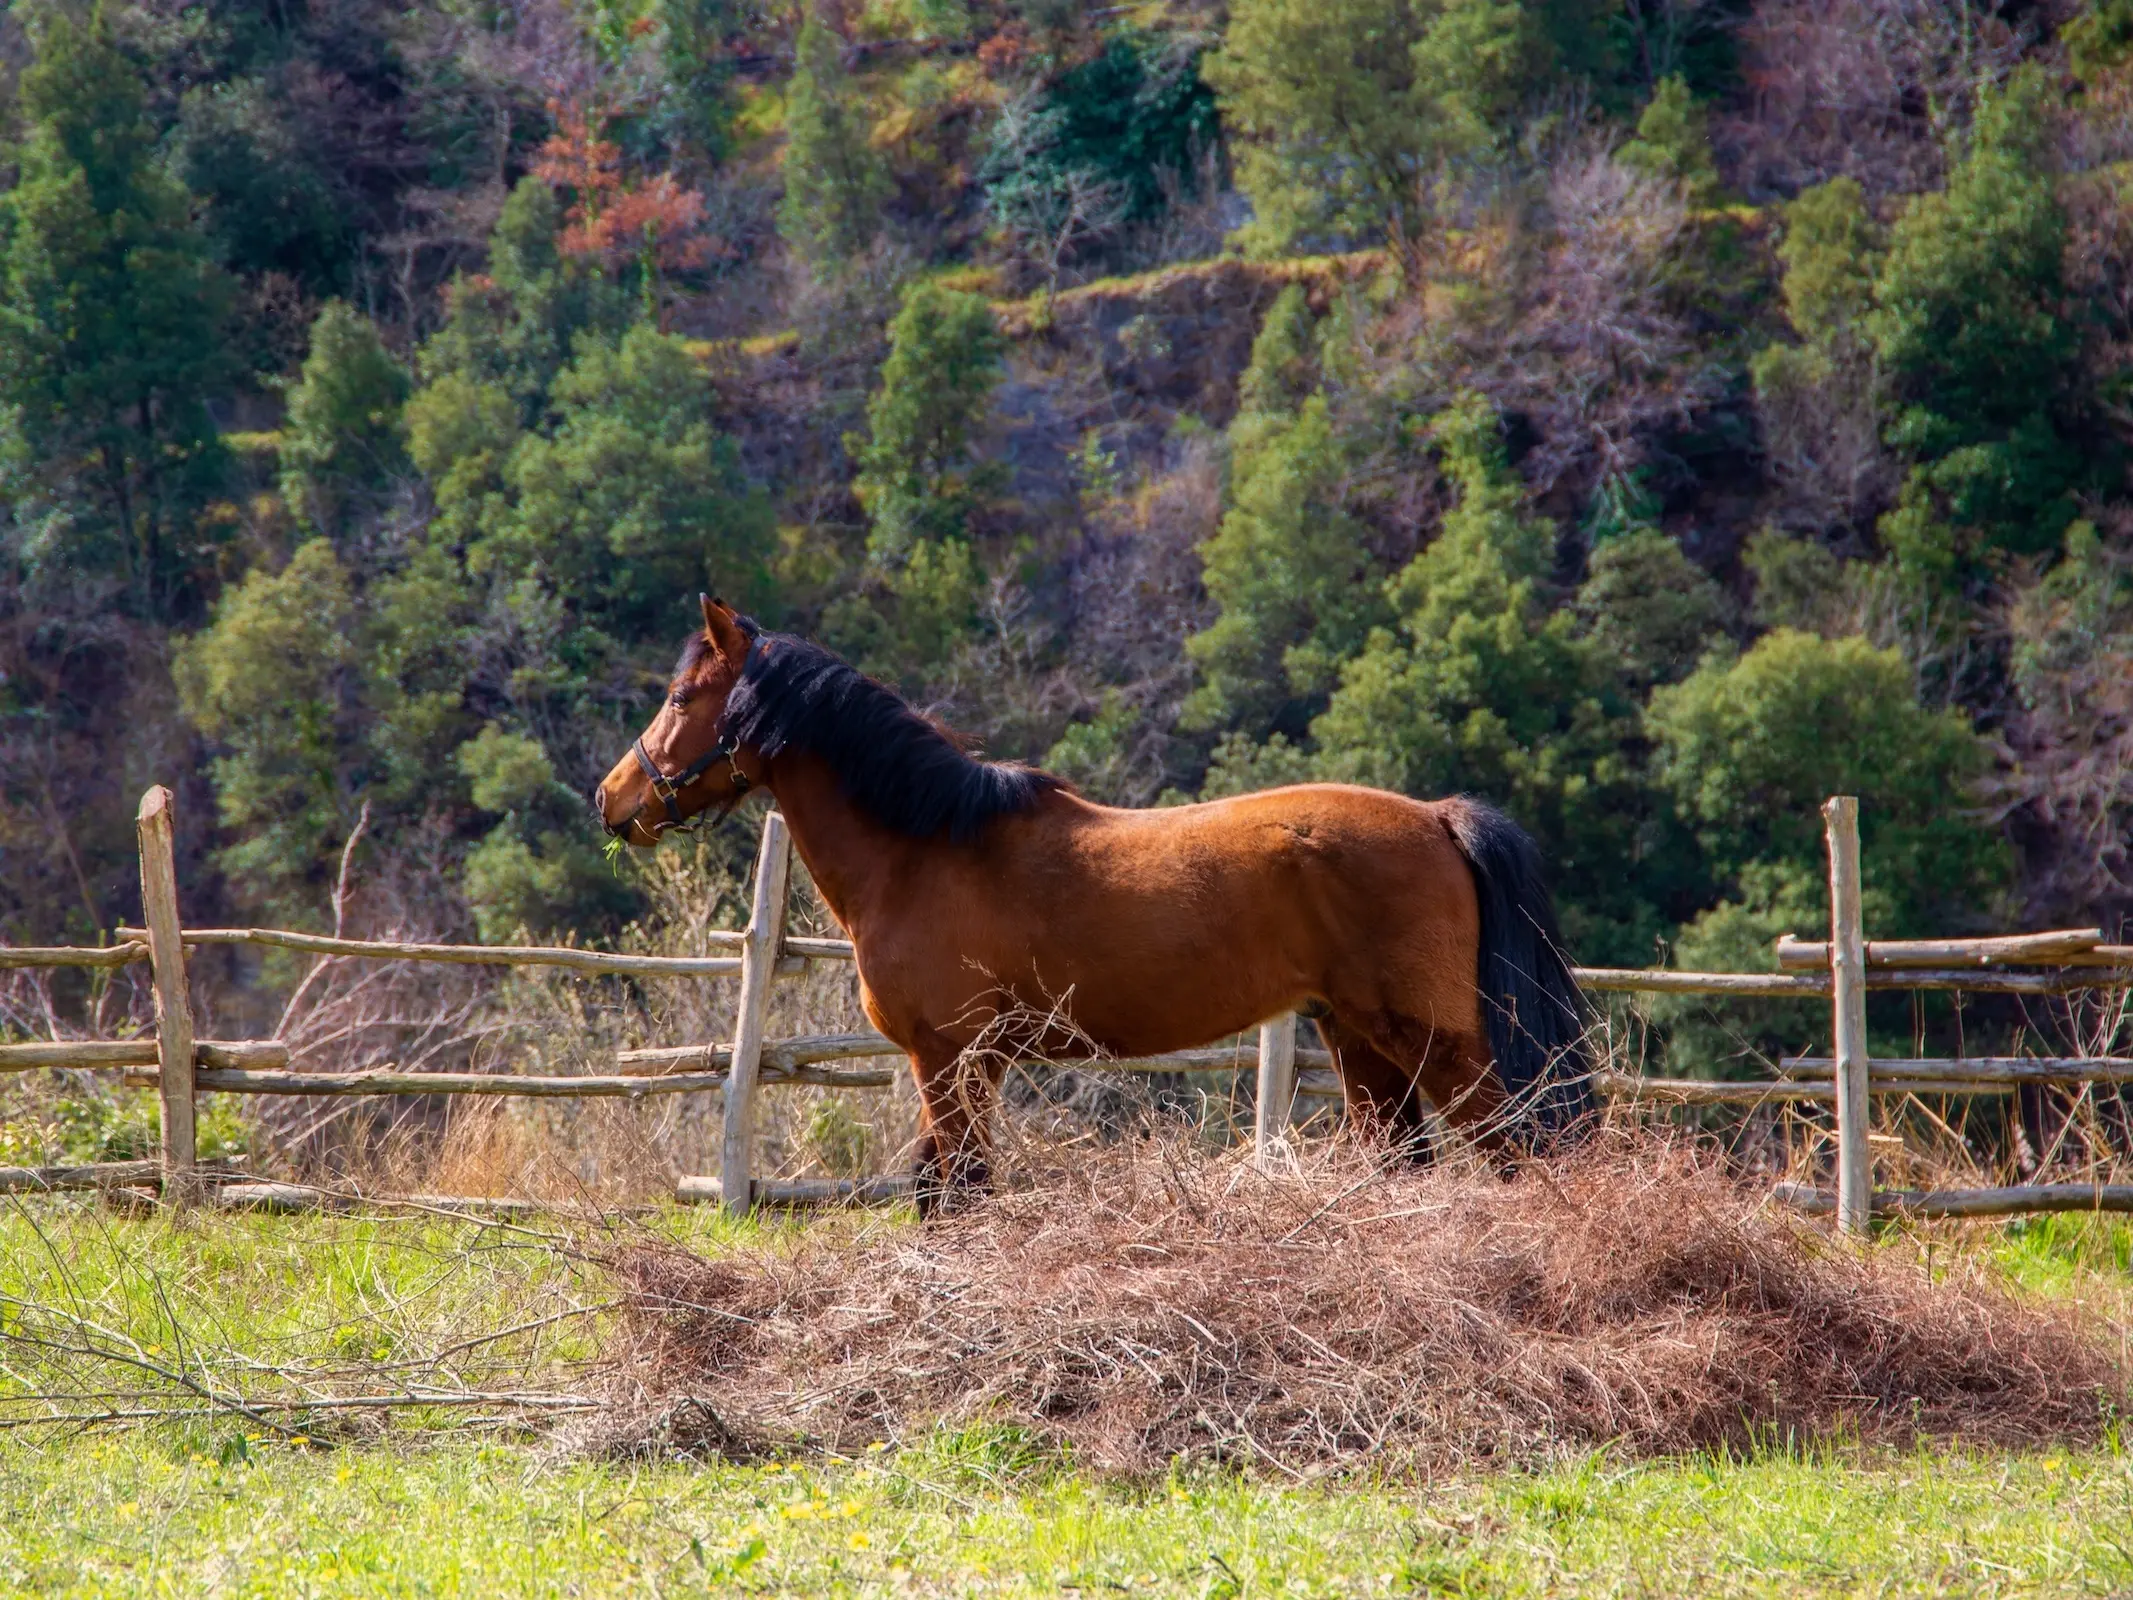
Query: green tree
[[274, 681], [1821, 399], [1284, 364], [2099, 40], [1137, 115], [1969, 323], [835, 185], [1673, 143], [1322, 98], [110, 321], [1751, 747], [917, 477], [1475, 63], [1650, 608], [513, 327], [340, 439], [696, 61], [632, 500], [532, 870], [426, 650], [1346, 111], [1831, 251], [1481, 688], [460, 432], [1296, 583], [265, 203]]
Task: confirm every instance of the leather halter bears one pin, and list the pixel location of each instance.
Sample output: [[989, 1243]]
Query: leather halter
[[669, 788]]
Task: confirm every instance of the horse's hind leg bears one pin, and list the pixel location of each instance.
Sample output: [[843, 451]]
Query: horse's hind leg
[[1450, 1068], [954, 1101], [1382, 1099]]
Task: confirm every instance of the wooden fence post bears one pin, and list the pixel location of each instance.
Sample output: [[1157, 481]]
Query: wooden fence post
[[759, 964], [174, 1012], [1277, 1088], [1847, 975]]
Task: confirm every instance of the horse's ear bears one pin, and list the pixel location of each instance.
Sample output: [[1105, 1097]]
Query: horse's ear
[[722, 630]]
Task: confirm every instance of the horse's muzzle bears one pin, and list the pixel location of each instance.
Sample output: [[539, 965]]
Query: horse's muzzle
[[596, 797]]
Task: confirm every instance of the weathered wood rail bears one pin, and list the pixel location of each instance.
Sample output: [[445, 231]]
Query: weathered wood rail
[[1839, 970]]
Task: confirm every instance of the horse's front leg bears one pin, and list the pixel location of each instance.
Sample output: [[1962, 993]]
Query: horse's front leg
[[954, 1100]]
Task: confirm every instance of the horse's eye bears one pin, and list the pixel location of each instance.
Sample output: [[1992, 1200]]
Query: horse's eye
[[677, 700]]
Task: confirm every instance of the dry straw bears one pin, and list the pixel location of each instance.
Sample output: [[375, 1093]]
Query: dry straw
[[1140, 1306]]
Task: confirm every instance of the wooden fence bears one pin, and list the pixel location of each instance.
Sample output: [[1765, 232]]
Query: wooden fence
[[179, 1066]]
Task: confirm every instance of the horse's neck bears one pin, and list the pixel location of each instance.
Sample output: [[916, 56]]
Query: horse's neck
[[851, 857]]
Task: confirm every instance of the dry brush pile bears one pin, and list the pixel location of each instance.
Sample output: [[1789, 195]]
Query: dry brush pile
[[1138, 1308]]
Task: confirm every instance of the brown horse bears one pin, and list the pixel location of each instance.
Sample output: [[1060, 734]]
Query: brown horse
[[1419, 934]]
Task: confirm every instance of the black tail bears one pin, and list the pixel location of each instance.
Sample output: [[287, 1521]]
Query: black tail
[[1535, 1014]]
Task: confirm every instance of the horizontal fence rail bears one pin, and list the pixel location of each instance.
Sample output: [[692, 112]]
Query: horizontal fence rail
[[799, 1192], [1722, 1092], [104, 1175], [1980, 1072], [595, 963], [2068, 947], [2014, 1200], [177, 1066], [30, 955], [138, 1053]]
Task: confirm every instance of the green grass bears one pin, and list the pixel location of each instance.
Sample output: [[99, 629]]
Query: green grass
[[433, 1504], [2066, 1254], [205, 1512]]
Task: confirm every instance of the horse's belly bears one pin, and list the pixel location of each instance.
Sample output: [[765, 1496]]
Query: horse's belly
[[1150, 1002]]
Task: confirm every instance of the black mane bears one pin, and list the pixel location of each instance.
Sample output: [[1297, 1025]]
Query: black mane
[[894, 764]]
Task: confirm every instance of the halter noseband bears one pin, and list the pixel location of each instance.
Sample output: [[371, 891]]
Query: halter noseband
[[669, 788]]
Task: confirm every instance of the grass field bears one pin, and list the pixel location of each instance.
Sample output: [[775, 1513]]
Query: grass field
[[437, 1502]]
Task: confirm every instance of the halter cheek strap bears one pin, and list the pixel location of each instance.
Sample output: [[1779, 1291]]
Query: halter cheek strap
[[669, 787]]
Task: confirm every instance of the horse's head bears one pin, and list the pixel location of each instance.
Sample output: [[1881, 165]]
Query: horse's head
[[682, 764]]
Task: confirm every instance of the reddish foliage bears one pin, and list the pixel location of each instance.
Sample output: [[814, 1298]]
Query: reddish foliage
[[612, 220], [1004, 51]]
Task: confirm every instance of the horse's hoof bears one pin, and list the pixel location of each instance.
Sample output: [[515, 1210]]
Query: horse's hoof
[[928, 1192], [939, 1194]]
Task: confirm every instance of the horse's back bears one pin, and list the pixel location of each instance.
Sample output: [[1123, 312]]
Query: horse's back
[[1303, 832], [1187, 922]]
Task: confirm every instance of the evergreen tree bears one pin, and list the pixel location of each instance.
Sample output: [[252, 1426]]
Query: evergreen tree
[[1482, 689], [110, 323], [696, 61], [1346, 112], [1821, 399], [1673, 143], [1831, 251], [917, 478], [1650, 608], [275, 683], [532, 870], [1969, 323], [1475, 63], [632, 500], [512, 327], [340, 439], [835, 186], [1749, 747], [1296, 582], [1334, 132], [1284, 362]]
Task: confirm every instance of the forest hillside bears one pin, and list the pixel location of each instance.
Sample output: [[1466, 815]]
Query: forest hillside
[[1649, 415]]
